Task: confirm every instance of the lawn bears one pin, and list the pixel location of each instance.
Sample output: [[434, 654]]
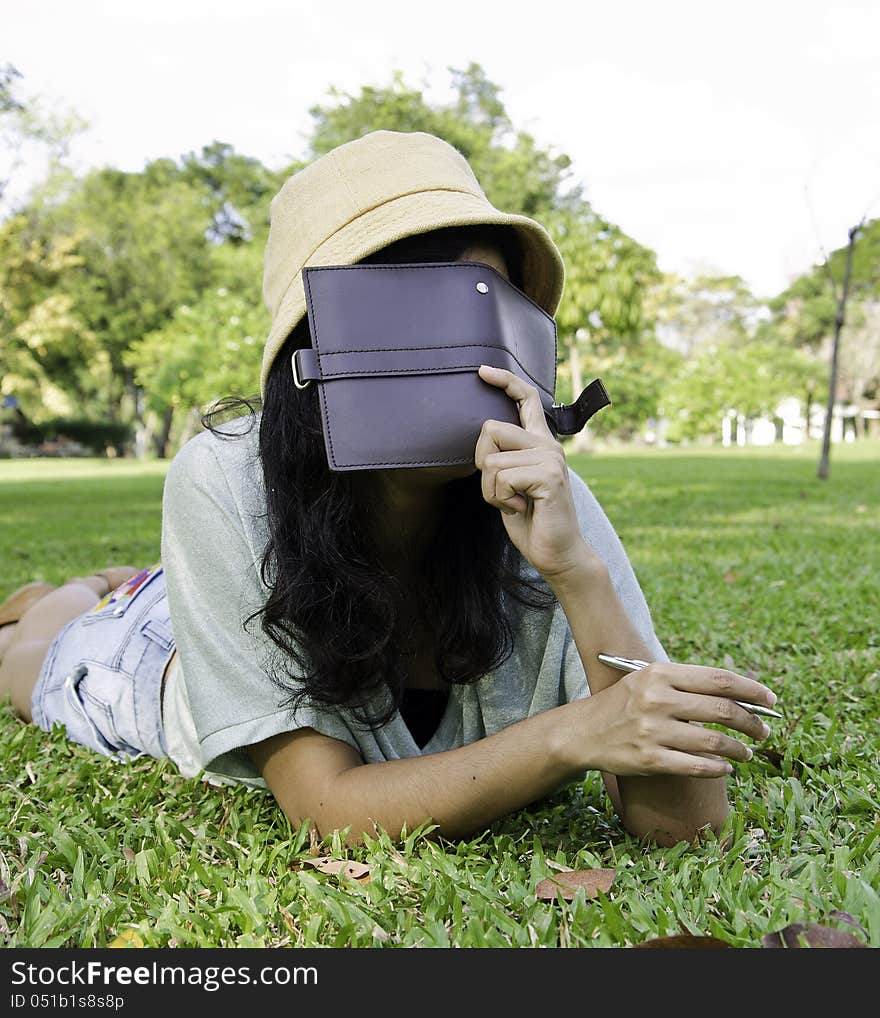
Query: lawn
[[746, 559]]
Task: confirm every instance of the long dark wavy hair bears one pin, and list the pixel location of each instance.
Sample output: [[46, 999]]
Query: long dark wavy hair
[[341, 620]]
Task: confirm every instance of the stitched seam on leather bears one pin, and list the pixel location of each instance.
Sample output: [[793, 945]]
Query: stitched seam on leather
[[394, 349], [384, 372], [429, 371], [408, 463], [435, 265], [327, 430]]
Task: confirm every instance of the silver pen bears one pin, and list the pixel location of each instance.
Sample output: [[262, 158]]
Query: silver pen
[[633, 664]]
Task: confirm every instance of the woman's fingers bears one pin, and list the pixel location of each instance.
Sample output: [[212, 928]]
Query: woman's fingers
[[507, 477], [719, 710], [531, 410], [717, 682], [510, 476], [688, 765], [500, 436], [694, 739]]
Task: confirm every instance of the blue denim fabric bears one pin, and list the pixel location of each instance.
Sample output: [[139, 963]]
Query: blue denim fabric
[[102, 674]]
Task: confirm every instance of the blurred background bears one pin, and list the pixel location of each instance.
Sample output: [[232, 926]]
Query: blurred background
[[711, 173]]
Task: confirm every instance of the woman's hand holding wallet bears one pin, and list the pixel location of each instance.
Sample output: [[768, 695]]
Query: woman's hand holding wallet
[[525, 475], [640, 723]]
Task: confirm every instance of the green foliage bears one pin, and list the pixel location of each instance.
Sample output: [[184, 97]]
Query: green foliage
[[144, 252], [739, 553], [49, 358], [638, 378], [208, 350], [752, 379], [805, 311], [691, 313], [123, 290], [237, 190]]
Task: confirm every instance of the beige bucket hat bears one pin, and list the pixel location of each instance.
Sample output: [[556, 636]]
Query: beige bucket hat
[[368, 193]]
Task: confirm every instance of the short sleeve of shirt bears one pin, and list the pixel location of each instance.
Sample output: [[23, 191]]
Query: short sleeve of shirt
[[213, 539], [599, 533]]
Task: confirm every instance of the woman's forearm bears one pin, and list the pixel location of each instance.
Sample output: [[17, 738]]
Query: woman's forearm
[[466, 789], [665, 808], [461, 790]]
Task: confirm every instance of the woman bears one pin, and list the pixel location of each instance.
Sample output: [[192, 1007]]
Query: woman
[[389, 646]]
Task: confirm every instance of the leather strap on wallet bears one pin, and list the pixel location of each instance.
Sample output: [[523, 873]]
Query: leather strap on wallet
[[563, 420], [395, 355]]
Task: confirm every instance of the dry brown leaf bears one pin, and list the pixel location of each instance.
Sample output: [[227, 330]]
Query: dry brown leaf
[[811, 935], [683, 940], [568, 883], [314, 840], [289, 921], [127, 938], [127, 854], [345, 867]]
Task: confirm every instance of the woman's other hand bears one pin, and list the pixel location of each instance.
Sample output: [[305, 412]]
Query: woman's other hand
[[525, 475]]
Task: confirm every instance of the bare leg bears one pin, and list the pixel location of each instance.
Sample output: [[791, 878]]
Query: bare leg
[[35, 631]]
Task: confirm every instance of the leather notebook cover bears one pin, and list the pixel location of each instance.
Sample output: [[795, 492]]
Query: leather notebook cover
[[395, 352]]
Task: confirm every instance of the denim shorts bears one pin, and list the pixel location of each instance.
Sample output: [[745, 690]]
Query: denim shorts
[[102, 674]]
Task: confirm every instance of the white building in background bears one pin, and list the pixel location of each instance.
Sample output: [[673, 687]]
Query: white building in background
[[791, 427], [847, 423]]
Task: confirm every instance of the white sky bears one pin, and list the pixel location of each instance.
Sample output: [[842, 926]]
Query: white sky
[[738, 137]]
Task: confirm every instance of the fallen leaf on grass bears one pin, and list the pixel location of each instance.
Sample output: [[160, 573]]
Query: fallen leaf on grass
[[683, 940], [346, 867], [811, 935], [568, 883], [128, 938], [289, 921]]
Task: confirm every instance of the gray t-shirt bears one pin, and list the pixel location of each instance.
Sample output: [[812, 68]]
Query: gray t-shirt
[[213, 536]]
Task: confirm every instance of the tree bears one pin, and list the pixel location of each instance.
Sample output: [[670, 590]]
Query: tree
[[752, 378], [839, 317], [602, 322], [692, 313], [209, 349], [238, 189], [810, 313], [177, 248], [49, 358]]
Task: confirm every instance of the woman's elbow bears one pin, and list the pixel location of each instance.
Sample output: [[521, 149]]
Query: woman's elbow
[[666, 830]]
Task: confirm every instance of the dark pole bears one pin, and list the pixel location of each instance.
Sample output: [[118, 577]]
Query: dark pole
[[832, 384]]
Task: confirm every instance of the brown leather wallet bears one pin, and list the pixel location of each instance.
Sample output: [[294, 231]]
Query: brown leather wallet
[[395, 354]]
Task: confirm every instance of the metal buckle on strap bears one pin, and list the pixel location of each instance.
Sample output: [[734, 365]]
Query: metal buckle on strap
[[296, 381]]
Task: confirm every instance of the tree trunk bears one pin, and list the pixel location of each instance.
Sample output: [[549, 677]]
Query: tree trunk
[[581, 441], [164, 434], [832, 382]]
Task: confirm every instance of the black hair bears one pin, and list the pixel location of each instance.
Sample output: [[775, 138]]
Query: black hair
[[340, 619]]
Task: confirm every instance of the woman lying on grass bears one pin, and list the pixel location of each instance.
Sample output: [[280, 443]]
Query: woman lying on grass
[[390, 646]]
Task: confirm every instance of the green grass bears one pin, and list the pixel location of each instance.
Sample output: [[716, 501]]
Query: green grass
[[743, 554]]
